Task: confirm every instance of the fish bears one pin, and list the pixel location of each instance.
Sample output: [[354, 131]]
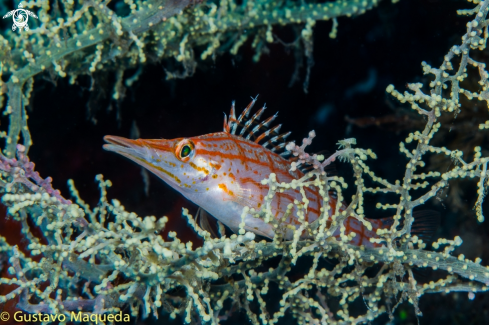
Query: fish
[[222, 173]]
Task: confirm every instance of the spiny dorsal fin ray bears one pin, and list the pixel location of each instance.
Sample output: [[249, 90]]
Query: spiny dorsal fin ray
[[267, 133], [279, 147], [225, 127], [263, 125], [247, 110], [231, 125], [232, 117], [254, 130], [275, 138], [275, 129], [252, 120]]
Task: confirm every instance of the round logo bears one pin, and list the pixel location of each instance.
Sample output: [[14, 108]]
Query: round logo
[[20, 18]]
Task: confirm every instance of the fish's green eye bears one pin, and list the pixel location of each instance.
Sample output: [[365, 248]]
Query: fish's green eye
[[186, 150]]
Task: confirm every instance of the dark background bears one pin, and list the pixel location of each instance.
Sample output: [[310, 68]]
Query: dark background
[[386, 45]]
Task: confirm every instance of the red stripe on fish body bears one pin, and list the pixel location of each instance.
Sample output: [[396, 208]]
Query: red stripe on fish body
[[222, 173], [242, 166], [363, 235]]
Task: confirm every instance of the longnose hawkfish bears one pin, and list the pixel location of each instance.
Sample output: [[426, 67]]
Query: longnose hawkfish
[[222, 173]]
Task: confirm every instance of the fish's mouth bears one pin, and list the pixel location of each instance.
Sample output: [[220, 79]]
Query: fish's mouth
[[126, 147], [143, 153], [115, 140]]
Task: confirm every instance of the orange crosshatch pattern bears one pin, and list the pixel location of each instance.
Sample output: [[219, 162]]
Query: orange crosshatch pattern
[[233, 164], [258, 163]]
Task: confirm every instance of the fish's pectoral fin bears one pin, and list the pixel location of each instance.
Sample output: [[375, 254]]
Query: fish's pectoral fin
[[243, 198], [238, 195], [222, 229], [204, 223]]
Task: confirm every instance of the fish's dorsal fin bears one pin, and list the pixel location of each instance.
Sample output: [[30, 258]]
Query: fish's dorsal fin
[[250, 128]]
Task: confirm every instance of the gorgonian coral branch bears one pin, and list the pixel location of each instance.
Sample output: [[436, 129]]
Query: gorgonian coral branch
[[120, 259], [83, 37], [102, 259]]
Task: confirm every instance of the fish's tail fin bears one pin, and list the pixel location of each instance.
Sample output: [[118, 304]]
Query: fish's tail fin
[[425, 224]]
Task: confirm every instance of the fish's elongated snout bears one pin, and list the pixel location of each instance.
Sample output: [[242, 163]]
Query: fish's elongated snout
[[132, 149], [122, 146], [115, 143], [155, 155], [128, 146]]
